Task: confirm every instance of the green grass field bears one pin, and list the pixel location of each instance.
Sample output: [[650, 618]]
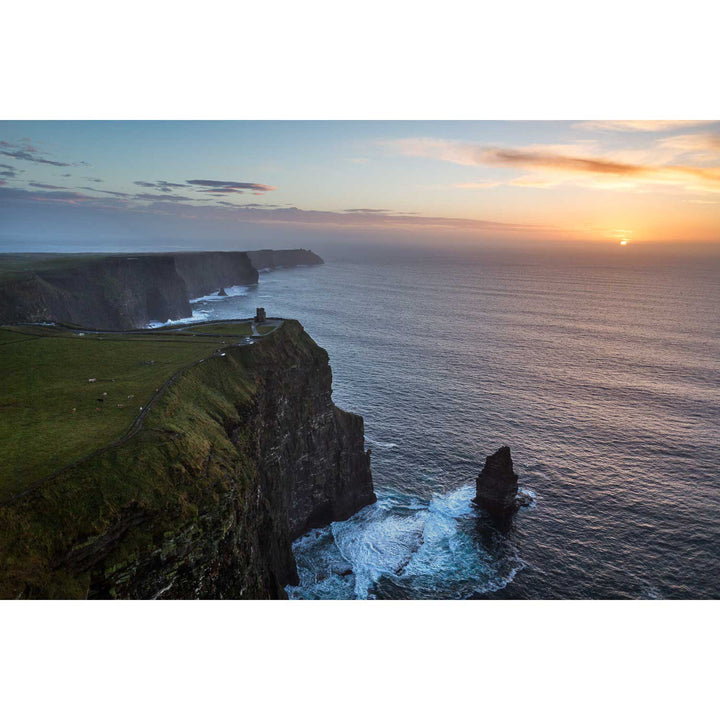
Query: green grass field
[[65, 394], [230, 329], [14, 265]]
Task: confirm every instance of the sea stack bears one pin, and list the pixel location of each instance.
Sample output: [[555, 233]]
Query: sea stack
[[497, 484]]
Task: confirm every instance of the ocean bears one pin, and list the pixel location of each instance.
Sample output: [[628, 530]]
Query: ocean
[[601, 372]]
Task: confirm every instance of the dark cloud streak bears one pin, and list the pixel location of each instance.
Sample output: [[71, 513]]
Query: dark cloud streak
[[232, 185], [29, 153]]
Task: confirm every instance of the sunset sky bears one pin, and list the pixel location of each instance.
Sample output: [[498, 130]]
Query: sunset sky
[[89, 185]]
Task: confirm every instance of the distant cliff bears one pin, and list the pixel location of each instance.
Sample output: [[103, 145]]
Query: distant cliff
[[207, 272], [109, 292], [244, 453], [121, 292], [276, 259]]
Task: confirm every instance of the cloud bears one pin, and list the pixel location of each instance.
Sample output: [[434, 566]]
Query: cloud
[[266, 206], [29, 153], [161, 198], [25, 196], [641, 125], [46, 187], [700, 147], [162, 185], [481, 185], [557, 164], [223, 191], [232, 185], [253, 212], [107, 192], [366, 210], [94, 179], [8, 171]]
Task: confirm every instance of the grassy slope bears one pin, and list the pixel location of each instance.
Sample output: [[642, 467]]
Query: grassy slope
[[51, 415], [14, 265]]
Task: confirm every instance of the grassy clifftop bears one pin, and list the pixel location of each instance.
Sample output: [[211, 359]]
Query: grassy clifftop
[[67, 392]]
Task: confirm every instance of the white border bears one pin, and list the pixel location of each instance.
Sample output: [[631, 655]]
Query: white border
[[290, 60]]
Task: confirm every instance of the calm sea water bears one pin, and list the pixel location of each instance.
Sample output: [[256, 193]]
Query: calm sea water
[[600, 373]]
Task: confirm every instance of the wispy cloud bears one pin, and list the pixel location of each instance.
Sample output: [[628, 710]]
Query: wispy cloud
[[8, 171], [641, 125], [45, 186], [558, 164], [162, 185], [258, 213], [231, 185], [107, 192], [162, 198], [479, 185], [29, 153]]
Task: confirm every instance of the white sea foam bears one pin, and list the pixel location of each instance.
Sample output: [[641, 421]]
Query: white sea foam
[[377, 443], [197, 316], [431, 547]]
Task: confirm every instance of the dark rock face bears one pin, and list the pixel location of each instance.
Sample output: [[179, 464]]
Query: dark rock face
[[110, 293], [245, 454], [497, 484], [206, 272], [273, 259], [304, 436]]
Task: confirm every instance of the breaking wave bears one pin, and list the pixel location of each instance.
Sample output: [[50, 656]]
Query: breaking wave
[[404, 547], [197, 316], [377, 443]]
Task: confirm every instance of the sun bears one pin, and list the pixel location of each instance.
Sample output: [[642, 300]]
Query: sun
[[623, 242]]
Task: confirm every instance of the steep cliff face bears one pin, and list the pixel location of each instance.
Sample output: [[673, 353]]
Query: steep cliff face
[[275, 259], [208, 272], [303, 435], [112, 292], [120, 292], [241, 455]]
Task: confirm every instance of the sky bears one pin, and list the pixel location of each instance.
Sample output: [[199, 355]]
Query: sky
[[92, 185]]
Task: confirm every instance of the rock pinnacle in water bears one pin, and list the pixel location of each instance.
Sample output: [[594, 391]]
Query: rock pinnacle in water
[[497, 484]]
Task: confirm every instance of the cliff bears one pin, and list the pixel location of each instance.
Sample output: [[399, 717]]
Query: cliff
[[276, 259], [110, 292], [244, 452], [207, 272], [120, 292]]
